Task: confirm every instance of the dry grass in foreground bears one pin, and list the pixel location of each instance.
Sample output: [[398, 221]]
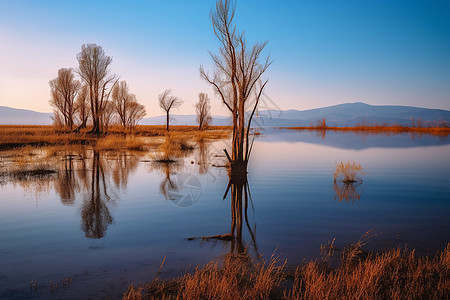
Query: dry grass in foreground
[[394, 274], [17, 136], [441, 131]]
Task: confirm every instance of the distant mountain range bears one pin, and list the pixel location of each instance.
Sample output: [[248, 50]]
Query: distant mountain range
[[353, 114], [14, 116], [348, 114]]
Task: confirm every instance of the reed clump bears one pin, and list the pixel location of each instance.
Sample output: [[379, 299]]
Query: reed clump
[[349, 172], [392, 274]]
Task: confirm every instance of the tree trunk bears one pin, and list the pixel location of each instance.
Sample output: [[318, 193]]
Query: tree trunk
[[167, 121], [96, 126], [238, 169]]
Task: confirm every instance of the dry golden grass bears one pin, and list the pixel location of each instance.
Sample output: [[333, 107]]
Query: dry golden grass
[[393, 274], [237, 277], [115, 142], [213, 132], [172, 148], [17, 136], [348, 171], [442, 131]]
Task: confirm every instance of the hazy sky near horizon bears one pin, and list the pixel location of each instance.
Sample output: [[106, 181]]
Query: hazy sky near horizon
[[324, 52]]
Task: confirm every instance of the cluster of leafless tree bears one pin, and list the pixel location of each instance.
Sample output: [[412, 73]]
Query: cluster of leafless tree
[[87, 101], [99, 98]]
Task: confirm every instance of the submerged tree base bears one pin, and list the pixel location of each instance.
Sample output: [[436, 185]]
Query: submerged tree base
[[238, 171]]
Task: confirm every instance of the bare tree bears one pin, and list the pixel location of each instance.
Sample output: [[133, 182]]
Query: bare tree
[[136, 112], [126, 106], [203, 109], [121, 97], [94, 70], [236, 79], [167, 102], [63, 90], [82, 107]]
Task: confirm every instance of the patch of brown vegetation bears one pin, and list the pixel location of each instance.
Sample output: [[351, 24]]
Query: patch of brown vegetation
[[348, 171], [393, 274], [18, 136], [115, 142], [237, 277]]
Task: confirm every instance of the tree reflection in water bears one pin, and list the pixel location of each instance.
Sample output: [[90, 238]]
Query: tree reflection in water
[[66, 184], [101, 193], [122, 164], [169, 186], [95, 215], [240, 196], [202, 155], [169, 162], [82, 173], [240, 199]]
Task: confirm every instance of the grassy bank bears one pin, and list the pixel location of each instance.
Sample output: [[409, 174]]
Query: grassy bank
[[17, 136], [393, 274], [442, 131]]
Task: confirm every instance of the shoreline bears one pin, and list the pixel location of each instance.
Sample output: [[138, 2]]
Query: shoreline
[[441, 131]]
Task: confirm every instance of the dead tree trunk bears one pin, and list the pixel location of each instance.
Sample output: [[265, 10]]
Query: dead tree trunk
[[236, 80]]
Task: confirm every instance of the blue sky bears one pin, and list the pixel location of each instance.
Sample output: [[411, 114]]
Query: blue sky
[[324, 52]]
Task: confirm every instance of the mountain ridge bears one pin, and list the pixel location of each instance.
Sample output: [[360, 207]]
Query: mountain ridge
[[340, 115]]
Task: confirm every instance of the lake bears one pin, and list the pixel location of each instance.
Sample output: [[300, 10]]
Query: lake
[[106, 219]]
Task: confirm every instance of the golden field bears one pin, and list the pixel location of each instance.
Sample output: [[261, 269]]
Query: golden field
[[17, 136]]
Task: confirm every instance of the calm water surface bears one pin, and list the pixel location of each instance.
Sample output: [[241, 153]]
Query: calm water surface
[[105, 219]]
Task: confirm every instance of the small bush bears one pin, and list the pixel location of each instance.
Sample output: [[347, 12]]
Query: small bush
[[348, 171]]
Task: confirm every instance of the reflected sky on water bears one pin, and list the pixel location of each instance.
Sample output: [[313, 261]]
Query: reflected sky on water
[[108, 218]]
